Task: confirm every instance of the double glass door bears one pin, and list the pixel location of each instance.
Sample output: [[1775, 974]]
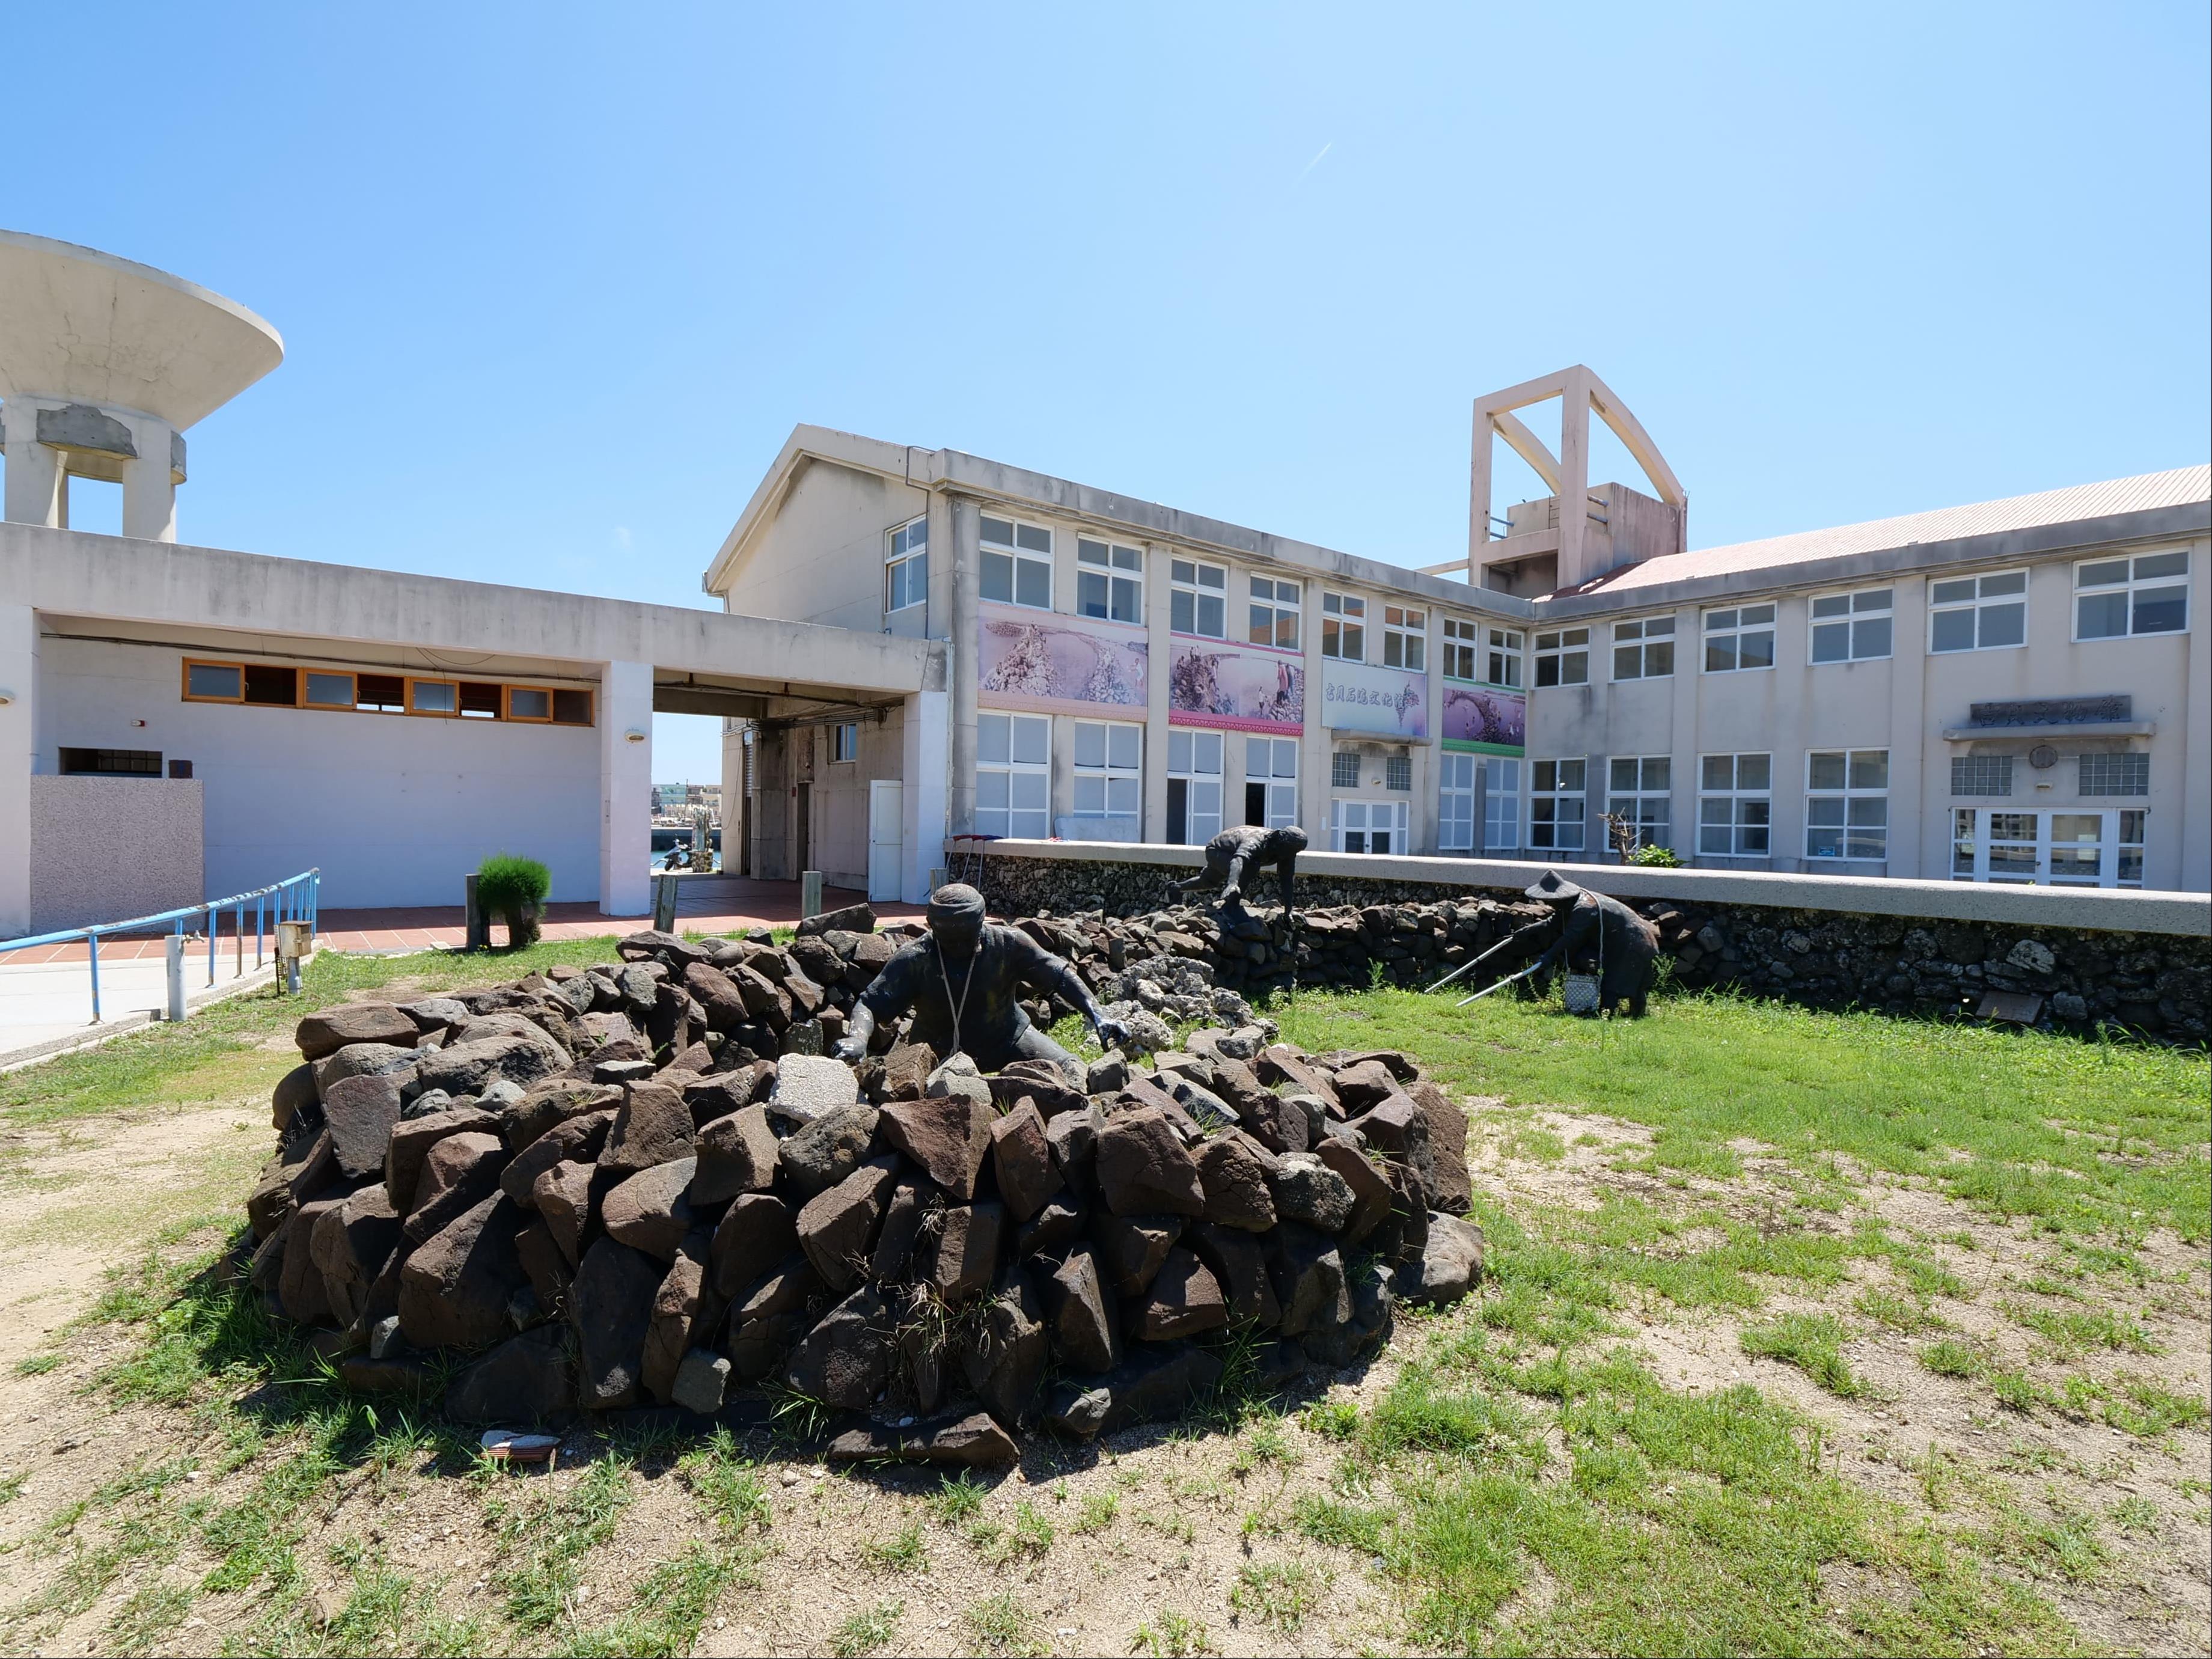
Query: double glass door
[[2058, 848]]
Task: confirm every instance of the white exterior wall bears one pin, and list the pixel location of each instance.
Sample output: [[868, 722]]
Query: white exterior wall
[[396, 808]]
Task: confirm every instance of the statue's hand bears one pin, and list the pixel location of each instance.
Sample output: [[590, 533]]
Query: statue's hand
[[1112, 1034], [850, 1049], [1231, 892]]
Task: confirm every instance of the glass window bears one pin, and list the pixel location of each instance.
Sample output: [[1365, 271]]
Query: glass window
[[1274, 615], [2062, 848], [1110, 581], [1735, 802], [480, 700], [1637, 792], [1013, 775], [1739, 637], [326, 689], [1563, 657], [271, 686], [1558, 805], [1455, 794], [1978, 613], [1344, 769], [2114, 774], [1462, 649], [572, 708], [2115, 597], [1198, 598], [1405, 638], [844, 742], [524, 702], [1643, 650], [1110, 764], [1369, 826], [221, 681], [1194, 787], [1981, 775], [1851, 627], [1501, 804], [1398, 772], [1017, 561], [1505, 654], [1847, 803], [1344, 626], [433, 698], [906, 570], [379, 694], [1271, 768]]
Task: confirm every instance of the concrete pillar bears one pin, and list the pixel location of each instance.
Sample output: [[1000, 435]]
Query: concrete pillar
[[625, 714], [925, 801], [1158, 658], [1919, 838], [964, 637], [19, 670], [1574, 477], [149, 498], [34, 470]]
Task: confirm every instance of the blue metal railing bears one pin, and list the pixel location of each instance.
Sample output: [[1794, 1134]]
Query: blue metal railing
[[296, 899]]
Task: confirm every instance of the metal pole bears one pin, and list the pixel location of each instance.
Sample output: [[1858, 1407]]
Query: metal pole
[[210, 927], [260, 924], [238, 941], [92, 938], [173, 974]]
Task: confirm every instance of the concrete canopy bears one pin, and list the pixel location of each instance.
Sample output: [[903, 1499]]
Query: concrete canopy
[[86, 326]]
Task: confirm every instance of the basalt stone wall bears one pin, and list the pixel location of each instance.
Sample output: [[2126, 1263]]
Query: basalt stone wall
[[2153, 984]]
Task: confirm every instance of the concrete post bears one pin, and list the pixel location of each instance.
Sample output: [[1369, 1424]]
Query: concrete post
[[173, 979], [34, 470], [19, 749], [149, 498], [924, 802], [964, 637], [625, 713], [810, 894]]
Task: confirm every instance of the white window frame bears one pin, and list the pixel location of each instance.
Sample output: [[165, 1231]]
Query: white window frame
[[1276, 609], [1343, 627], [1462, 649], [1558, 804], [2085, 764], [1337, 768], [2169, 574], [1970, 761], [1192, 585], [1501, 804], [906, 565], [1982, 835], [1749, 809], [1728, 629], [1638, 645], [1388, 818], [1274, 761], [1457, 789], [845, 742], [1196, 758], [1562, 658], [1017, 748], [1395, 767], [1506, 648], [1982, 602], [1406, 638], [1643, 793], [1027, 551], [1847, 805], [1111, 784], [1851, 625], [1114, 569]]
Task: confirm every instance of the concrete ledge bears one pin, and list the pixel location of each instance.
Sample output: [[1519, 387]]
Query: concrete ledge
[[2187, 916]]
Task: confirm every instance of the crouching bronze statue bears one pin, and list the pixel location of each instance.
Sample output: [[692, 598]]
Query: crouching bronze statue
[[1597, 937], [1229, 855], [963, 985]]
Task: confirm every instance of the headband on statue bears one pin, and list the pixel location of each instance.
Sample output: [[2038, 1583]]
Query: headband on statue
[[955, 901]]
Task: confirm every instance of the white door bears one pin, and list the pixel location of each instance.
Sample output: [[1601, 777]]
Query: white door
[[886, 837], [1454, 803], [1371, 826]]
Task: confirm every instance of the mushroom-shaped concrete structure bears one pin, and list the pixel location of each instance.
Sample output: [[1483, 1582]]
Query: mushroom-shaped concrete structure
[[104, 362]]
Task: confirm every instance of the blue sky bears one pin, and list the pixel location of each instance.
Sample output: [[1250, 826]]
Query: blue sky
[[555, 283]]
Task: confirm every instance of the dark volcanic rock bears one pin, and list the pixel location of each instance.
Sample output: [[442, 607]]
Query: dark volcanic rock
[[1005, 1361], [1152, 1384], [650, 1211], [837, 1227], [844, 1361], [1023, 1159], [348, 1244], [1450, 1189], [972, 1441], [653, 1126], [1131, 1248], [1239, 1261], [1184, 1300], [1449, 1266], [682, 1307], [562, 1198], [1083, 1328], [738, 1154], [949, 1136], [967, 1250], [611, 1307], [523, 1380], [360, 1112], [1142, 1167], [1371, 1188], [1234, 1173], [412, 1142], [1307, 1190], [824, 1152], [756, 1232], [326, 1033], [454, 1290], [461, 1171]]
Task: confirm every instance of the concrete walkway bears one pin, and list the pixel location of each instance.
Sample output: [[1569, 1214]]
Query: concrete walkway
[[45, 1007]]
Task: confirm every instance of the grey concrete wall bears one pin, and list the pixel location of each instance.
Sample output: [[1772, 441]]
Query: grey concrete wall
[[107, 849]]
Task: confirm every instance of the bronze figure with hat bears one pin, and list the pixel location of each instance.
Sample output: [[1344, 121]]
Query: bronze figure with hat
[[1592, 934]]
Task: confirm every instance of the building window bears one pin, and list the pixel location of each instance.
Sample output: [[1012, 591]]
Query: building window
[[906, 568], [1405, 638], [1462, 646], [2061, 849], [1455, 794], [112, 763], [1981, 775], [214, 682], [379, 694], [2114, 774], [1199, 601], [1638, 786], [1506, 656], [1109, 770], [1851, 627], [1978, 613], [1271, 781], [1847, 803], [1275, 613], [1344, 626], [1369, 826], [1344, 769], [1643, 650], [1194, 788], [1398, 772], [1016, 562], [1110, 581], [1734, 805], [844, 742], [1013, 775], [1563, 657], [1558, 804], [1739, 638], [2115, 597], [1501, 804], [329, 689], [432, 696]]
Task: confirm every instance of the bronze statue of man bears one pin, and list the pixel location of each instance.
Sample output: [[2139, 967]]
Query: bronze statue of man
[[1233, 852], [1594, 934], [963, 983]]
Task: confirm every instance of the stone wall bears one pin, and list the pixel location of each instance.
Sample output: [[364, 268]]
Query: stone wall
[[2155, 983]]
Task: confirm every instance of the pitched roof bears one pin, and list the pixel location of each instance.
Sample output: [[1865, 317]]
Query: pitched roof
[[2178, 487]]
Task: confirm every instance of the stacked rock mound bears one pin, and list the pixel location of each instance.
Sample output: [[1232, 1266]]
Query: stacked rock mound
[[592, 1190]]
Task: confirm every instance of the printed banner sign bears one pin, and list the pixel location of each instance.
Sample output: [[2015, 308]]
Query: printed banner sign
[[1494, 722], [1390, 703], [1059, 665], [1237, 690]]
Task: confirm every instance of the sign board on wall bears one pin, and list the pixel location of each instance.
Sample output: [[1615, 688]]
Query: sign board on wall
[[1485, 719], [1390, 703], [1236, 689], [1059, 665]]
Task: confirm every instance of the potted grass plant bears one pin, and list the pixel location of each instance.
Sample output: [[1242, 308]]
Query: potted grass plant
[[514, 889]]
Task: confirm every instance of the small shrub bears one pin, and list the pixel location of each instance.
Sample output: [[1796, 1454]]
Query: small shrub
[[1663, 858], [1951, 1358], [512, 888]]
